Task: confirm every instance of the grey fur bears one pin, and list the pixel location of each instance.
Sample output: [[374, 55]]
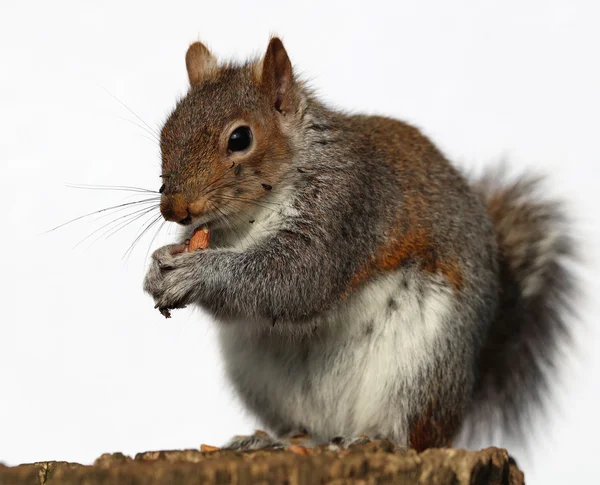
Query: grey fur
[[304, 351], [531, 331]]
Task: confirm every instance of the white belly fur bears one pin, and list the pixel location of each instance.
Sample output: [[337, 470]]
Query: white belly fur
[[344, 379]]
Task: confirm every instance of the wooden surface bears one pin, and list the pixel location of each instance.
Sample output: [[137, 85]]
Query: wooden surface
[[373, 463]]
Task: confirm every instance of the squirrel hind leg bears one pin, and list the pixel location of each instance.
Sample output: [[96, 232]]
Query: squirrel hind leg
[[261, 440], [257, 441], [378, 441], [298, 441]]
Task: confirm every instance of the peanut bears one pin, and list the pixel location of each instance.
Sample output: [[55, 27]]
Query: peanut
[[199, 239]]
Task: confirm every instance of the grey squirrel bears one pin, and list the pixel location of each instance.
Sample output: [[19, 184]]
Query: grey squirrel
[[362, 285]]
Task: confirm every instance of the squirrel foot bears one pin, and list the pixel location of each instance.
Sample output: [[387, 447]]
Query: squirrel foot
[[257, 441], [298, 441], [347, 442], [261, 440]]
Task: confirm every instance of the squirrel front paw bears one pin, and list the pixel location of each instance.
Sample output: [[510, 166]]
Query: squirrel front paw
[[170, 278]]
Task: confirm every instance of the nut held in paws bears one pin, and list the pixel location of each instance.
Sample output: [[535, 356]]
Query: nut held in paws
[[199, 239]]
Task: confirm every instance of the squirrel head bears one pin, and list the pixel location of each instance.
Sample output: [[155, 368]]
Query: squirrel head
[[228, 141]]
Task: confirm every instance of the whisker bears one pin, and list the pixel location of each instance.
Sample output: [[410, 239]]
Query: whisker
[[115, 230], [151, 215], [214, 182], [131, 111], [154, 238], [123, 225], [119, 225], [115, 221], [125, 188], [152, 140], [232, 183], [238, 197], [112, 208], [250, 201], [226, 221], [246, 220], [248, 216], [151, 202], [155, 139], [137, 239], [226, 185]]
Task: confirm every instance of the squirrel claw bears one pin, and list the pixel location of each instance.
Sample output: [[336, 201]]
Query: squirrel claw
[[165, 312]]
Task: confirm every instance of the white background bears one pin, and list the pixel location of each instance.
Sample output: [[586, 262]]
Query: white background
[[86, 364]]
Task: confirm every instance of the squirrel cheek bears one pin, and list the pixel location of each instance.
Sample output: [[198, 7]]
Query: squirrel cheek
[[198, 207]]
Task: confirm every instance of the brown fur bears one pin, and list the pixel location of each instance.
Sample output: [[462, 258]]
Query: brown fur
[[198, 170], [367, 196], [409, 248], [433, 429], [200, 63], [415, 239]]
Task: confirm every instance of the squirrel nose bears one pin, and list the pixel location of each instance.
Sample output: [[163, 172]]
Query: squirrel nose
[[174, 208]]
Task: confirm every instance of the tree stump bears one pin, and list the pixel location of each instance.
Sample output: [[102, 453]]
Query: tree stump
[[376, 462]]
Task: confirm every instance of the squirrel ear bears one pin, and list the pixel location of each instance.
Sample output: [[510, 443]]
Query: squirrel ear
[[277, 76], [200, 63]]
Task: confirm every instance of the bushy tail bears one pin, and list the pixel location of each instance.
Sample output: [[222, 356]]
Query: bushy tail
[[519, 358]]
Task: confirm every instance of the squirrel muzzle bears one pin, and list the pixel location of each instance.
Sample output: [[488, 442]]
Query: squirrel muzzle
[[175, 208]]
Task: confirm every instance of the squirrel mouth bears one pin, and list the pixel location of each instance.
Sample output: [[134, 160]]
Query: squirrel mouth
[[185, 221]]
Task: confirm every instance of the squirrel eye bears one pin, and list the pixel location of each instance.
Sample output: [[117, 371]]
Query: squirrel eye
[[240, 139]]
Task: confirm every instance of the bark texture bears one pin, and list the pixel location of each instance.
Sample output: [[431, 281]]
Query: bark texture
[[372, 463]]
